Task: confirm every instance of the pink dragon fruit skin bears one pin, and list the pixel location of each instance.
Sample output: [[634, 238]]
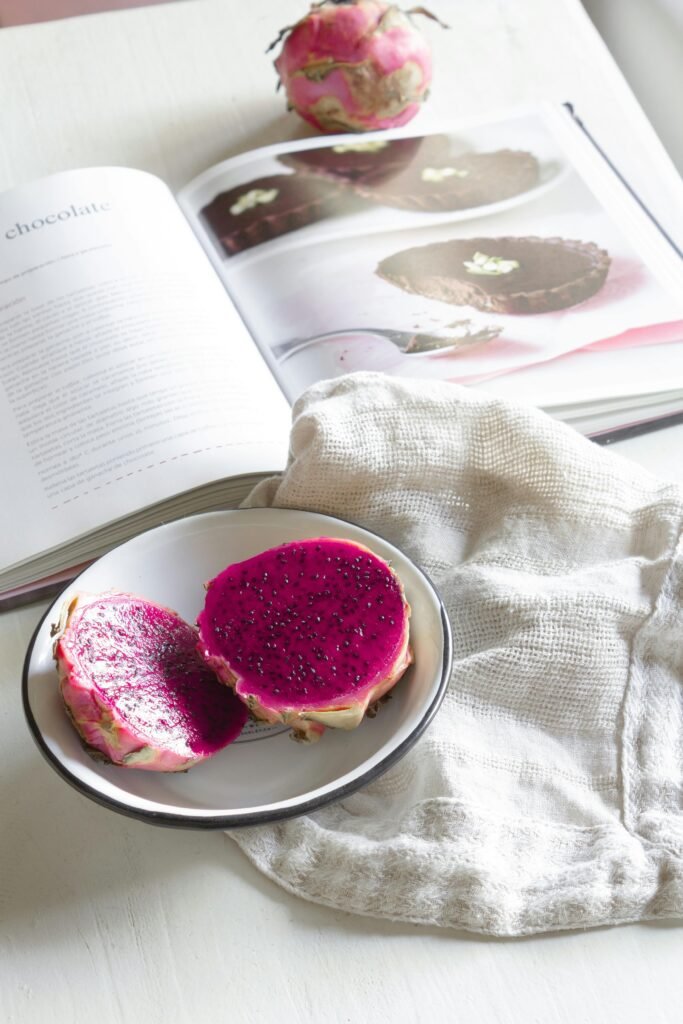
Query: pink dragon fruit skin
[[356, 66], [310, 634], [135, 688]]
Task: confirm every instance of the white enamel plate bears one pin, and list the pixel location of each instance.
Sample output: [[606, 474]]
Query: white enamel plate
[[263, 776]]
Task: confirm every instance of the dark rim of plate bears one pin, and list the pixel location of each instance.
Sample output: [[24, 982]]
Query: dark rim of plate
[[243, 819]]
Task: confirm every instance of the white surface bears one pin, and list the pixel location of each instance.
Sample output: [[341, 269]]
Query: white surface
[[104, 917], [645, 38], [248, 782]]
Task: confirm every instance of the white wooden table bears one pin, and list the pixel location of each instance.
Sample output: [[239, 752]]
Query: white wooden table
[[105, 919]]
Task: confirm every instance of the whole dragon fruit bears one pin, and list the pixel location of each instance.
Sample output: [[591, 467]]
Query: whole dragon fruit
[[311, 633], [135, 687], [355, 65]]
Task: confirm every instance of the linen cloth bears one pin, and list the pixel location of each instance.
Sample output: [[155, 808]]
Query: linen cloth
[[547, 793]]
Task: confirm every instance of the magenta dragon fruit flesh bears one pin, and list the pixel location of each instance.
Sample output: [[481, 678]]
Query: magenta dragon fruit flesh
[[355, 65], [135, 687], [310, 634]]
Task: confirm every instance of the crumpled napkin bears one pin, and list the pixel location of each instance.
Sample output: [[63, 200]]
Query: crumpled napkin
[[548, 792]]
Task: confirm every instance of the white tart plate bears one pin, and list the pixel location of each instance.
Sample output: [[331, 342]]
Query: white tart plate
[[263, 776]]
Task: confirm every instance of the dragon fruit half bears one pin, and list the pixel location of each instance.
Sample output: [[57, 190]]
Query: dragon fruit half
[[311, 633], [135, 687], [355, 65]]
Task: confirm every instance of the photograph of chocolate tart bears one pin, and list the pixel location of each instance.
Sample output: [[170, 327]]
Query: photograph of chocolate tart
[[362, 160], [266, 208], [501, 275], [443, 181]]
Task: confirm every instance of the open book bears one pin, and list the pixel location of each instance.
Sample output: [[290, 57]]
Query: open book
[[151, 346]]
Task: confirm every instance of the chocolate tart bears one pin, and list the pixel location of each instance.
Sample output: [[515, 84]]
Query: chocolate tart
[[362, 161], [442, 181], [266, 208], [501, 275]]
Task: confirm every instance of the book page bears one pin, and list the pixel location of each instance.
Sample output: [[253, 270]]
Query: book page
[[127, 375], [467, 255]]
